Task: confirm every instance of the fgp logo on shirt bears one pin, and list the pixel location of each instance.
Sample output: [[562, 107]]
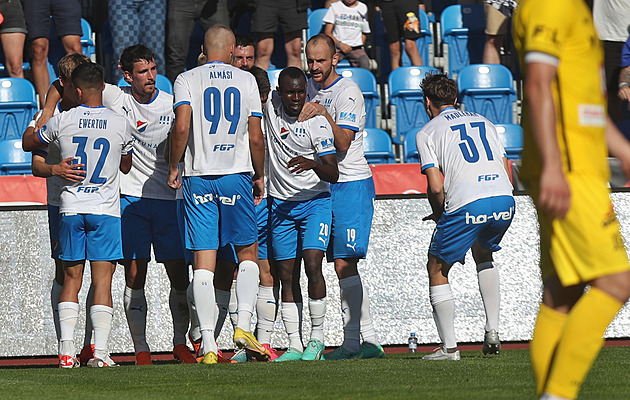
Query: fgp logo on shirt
[[327, 143], [223, 147], [141, 126], [346, 116]]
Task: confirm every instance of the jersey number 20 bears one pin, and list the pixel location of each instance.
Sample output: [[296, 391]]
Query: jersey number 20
[[468, 146], [101, 144], [229, 108]]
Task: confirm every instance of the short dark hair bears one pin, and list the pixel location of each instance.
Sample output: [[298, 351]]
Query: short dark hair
[[88, 76], [262, 79], [133, 54], [325, 38], [69, 62], [243, 40], [440, 89], [291, 73]]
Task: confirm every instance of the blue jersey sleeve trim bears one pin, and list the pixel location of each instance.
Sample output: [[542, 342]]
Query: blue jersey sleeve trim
[[427, 166], [41, 139], [352, 128], [257, 114], [327, 153], [127, 153], [180, 103]]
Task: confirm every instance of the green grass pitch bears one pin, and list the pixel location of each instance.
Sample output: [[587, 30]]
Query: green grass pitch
[[399, 376]]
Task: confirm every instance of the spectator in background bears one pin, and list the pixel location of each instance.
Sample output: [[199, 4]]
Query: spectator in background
[[347, 24], [498, 13], [182, 15], [137, 21], [401, 20], [13, 36], [291, 14], [67, 17], [624, 77], [244, 56]]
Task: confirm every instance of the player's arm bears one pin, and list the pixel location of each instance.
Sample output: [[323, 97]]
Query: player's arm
[[435, 193], [125, 163], [624, 84], [343, 136], [555, 194], [341, 46], [65, 169], [30, 140], [257, 150], [327, 170], [52, 98], [179, 139]]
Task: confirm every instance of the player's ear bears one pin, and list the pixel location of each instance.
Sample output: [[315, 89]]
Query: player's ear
[[335, 59]]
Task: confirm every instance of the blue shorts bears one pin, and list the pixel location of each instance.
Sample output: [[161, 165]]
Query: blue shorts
[[90, 237], [264, 241], [484, 220], [150, 221], [219, 211], [352, 212], [299, 222], [53, 230], [181, 212]]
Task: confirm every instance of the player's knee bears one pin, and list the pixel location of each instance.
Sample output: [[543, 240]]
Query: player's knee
[[39, 50]]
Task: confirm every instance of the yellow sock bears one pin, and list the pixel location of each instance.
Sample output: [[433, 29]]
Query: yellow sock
[[549, 327], [580, 342]]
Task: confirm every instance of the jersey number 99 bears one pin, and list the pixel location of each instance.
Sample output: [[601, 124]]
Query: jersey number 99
[[229, 108]]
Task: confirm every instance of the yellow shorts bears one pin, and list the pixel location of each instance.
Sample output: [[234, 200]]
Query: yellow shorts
[[586, 244]]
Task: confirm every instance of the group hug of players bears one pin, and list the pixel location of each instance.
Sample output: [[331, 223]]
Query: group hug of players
[[245, 182]]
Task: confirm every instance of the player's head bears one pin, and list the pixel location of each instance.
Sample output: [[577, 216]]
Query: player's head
[[244, 52], [439, 91], [139, 70], [321, 57], [292, 90], [68, 63], [218, 44], [88, 79], [349, 3], [262, 80]]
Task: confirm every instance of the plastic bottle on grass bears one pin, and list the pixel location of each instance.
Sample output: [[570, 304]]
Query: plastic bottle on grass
[[413, 343]]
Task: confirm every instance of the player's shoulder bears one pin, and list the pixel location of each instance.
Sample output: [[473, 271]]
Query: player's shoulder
[[361, 8], [319, 121], [348, 85]]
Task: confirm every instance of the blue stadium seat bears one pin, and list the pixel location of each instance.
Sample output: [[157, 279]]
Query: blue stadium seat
[[424, 42], [410, 151], [88, 40], [161, 82], [406, 100], [18, 105], [462, 32], [316, 22], [512, 138], [377, 145], [367, 83], [273, 75], [13, 160], [488, 89]]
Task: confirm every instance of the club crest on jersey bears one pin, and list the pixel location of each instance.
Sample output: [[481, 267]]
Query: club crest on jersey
[[141, 126], [284, 132]]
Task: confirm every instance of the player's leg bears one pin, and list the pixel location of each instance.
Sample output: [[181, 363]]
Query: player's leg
[[488, 278], [68, 310], [57, 283], [203, 280], [224, 285]]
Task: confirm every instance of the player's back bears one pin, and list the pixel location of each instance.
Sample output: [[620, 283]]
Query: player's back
[[564, 30], [467, 149], [222, 98], [96, 137]]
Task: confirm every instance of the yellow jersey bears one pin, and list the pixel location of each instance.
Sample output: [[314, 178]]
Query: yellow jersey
[[564, 29]]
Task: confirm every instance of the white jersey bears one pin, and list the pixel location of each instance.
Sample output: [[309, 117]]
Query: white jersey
[[612, 19], [52, 153], [96, 137], [222, 98], [344, 102], [465, 146], [287, 138], [349, 23], [152, 123]]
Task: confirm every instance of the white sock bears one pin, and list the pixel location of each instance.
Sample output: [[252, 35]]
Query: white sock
[[194, 332], [266, 309], [444, 307], [292, 319], [351, 291], [488, 277], [223, 303], [55, 293], [203, 289], [368, 333], [87, 338], [317, 309], [246, 292], [102, 321], [179, 311], [233, 306], [136, 311], [68, 316]]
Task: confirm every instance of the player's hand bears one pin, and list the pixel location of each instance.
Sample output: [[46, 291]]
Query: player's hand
[[310, 110], [44, 116], [624, 92], [555, 193], [259, 190], [69, 171], [172, 180], [432, 217], [300, 164], [345, 49]]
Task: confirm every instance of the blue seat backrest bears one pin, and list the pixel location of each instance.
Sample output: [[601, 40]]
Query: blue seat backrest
[[488, 89], [405, 95], [377, 145], [512, 138], [423, 42], [316, 22], [161, 82], [13, 160], [87, 41], [462, 32], [367, 83], [18, 106], [274, 75], [410, 150]]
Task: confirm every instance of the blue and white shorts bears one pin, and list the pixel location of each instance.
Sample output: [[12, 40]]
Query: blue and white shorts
[[263, 210], [181, 212], [219, 210], [89, 237], [352, 212], [150, 221], [300, 222], [484, 220], [53, 230]]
